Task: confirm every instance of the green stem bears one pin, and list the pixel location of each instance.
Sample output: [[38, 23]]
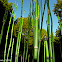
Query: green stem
[[44, 51], [4, 20], [11, 33], [47, 52], [7, 33], [52, 38], [39, 31], [33, 26], [49, 37], [21, 58], [24, 50], [12, 49], [19, 38], [36, 33], [28, 57]]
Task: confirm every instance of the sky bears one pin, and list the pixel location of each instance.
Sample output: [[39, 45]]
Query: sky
[[26, 7]]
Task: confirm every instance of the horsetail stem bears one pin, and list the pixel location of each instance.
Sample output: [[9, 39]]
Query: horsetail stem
[[19, 39], [12, 32], [7, 33], [19, 35], [36, 32], [44, 51], [49, 37], [4, 20], [46, 47], [52, 38], [12, 49], [24, 49]]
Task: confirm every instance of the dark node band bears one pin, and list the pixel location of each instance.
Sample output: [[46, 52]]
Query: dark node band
[[15, 55], [48, 24], [52, 42], [4, 21], [47, 58], [45, 39], [18, 31], [51, 58], [49, 37], [61, 35]]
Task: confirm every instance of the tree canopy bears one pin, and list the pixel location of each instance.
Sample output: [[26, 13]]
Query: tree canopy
[[57, 36], [58, 8], [8, 6], [25, 30]]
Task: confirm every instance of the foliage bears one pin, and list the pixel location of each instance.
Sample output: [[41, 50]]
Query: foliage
[[56, 40], [43, 32], [5, 7], [25, 30], [58, 32], [57, 36], [8, 6], [58, 8], [58, 11]]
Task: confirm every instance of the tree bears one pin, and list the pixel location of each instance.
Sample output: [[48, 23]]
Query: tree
[[58, 8], [57, 42], [5, 6], [43, 32], [58, 11], [57, 36], [8, 6], [24, 30]]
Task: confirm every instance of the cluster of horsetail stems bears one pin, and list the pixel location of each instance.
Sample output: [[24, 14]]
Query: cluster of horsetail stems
[[34, 16], [49, 37], [8, 32]]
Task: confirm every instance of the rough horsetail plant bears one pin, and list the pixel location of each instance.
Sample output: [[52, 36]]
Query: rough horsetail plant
[[42, 16], [12, 49], [46, 47], [36, 33], [42, 22], [11, 33], [24, 49], [29, 23], [19, 35], [53, 53], [28, 57], [33, 26], [8, 32], [49, 37], [41, 49], [4, 20], [29, 26], [44, 51]]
